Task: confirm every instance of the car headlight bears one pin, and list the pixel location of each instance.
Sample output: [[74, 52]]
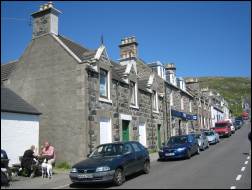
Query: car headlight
[[102, 169], [160, 150], [181, 149], [73, 170]]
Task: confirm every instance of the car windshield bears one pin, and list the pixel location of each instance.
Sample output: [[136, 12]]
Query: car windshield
[[108, 150], [220, 125], [177, 140], [209, 133]]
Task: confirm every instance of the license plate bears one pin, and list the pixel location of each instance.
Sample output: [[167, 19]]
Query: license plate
[[169, 154], [85, 175]]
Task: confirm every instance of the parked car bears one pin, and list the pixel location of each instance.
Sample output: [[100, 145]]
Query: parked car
[[202, 140], [211, 136], [112, 163], [179, 147], [217, 136], [223, 128], [237, 124], [231, 125]]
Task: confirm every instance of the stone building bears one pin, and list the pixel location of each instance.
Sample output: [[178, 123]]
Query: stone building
[[201, 105], [86, 98]]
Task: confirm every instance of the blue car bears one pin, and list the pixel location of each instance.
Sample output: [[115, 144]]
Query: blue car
[[183, 146], [112, 162]]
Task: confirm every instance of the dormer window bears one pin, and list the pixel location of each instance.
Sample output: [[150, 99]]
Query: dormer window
[[103, 83]]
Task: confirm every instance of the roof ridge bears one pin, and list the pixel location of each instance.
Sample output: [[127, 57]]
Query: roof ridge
[[14, 61]]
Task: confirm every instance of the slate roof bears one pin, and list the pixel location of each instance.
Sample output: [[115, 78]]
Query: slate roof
[[6, 70], [11, 102], [81, 52]]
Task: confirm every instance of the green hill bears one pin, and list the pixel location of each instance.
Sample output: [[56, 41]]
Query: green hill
[[233, 89]]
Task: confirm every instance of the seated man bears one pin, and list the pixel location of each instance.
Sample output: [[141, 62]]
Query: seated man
[[28, 162], [48, 152]]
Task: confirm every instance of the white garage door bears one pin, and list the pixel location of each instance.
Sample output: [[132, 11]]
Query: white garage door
[[18, 133], [105, 130], [142, 134]]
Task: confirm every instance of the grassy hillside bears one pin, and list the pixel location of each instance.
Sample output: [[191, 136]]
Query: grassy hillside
[[233, 89]]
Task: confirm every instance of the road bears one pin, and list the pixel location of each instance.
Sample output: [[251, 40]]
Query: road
[[225, 165]]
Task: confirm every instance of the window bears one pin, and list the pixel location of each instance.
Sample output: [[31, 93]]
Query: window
[[171, 99], [103, 83], [190, 106], [155, 101], [136, 148], [182, 103], [132, 93]]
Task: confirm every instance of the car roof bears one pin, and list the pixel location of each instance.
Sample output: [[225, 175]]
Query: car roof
[[119, 142]]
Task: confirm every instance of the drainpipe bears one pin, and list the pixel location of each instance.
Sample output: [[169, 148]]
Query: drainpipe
[[89, 122]]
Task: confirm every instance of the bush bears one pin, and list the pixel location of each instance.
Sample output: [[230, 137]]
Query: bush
[[63, 165]]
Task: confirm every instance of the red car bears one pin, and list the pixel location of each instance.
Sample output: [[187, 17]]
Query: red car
[[223, 128]]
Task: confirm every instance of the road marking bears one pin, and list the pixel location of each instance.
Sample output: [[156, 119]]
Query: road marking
[[238, 177], [248, 157], [61, 187], [246, 162], [242, 169], [233, 187]]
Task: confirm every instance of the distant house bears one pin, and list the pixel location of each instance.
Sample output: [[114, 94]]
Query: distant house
[[19, 125]]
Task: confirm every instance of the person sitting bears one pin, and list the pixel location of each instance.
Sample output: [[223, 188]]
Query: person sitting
[[48, 152], [29, 163]]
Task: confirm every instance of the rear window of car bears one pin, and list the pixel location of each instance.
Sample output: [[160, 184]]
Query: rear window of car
[[209, 133]]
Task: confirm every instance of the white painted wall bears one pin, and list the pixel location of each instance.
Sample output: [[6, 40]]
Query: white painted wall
[[18, 133]]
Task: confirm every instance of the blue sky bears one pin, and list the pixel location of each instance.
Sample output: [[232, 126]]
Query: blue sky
[[201, 38]]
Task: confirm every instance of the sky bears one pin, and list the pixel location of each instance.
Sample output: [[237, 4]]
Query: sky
[[201, 38]]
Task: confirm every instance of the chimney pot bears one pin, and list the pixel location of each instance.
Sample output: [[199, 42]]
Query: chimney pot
[[41, 7], [45, 6], [50, 4]]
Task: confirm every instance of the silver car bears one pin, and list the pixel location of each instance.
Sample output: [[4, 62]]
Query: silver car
[[212, 137], [202, 140]]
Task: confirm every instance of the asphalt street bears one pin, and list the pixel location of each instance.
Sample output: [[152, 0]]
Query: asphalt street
[[226, 165]]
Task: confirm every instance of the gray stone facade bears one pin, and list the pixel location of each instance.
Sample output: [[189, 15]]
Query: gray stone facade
[[62, 80]]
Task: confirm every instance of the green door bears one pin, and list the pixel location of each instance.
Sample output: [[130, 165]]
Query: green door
[[159, 136], [125, 130]]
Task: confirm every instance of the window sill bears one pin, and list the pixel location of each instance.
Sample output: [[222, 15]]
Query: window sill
[[134, 107], [105, 100], [155, 111]]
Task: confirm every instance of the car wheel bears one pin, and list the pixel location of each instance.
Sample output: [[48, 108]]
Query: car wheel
[[198, 151], [119, 177], [146, 169], [188, 154]]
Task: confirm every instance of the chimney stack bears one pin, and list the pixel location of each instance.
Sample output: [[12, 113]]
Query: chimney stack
[[45, 20], [128, 48]]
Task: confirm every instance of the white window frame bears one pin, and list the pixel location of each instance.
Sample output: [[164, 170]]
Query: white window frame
[[190, 106], [136, 97], [182, 103], [171, 99], [155, 98], [106, 99]]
